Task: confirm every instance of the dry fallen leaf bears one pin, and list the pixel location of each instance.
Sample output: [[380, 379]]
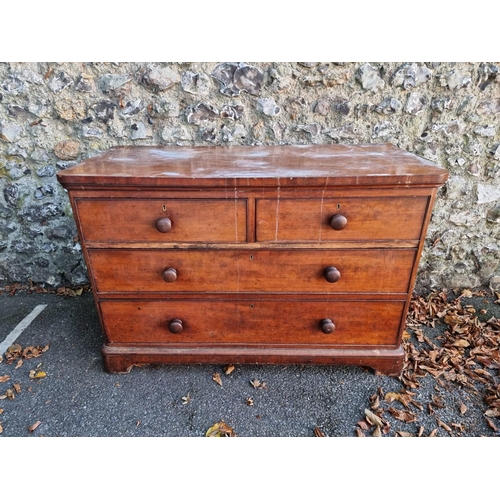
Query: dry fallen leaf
[[446, 427], [404, 434], [258, 384], [186, 399], [220, 429], [373, 419], [421, 431], [433, 433], [229, 369], [491, 424], [376, 432], [318, 432], [216, 378], [1, 429], [17, 388], [33, 427], [404, 416], [463, 408], [37, 374], [360, 433], [249, 401], [4, 378]]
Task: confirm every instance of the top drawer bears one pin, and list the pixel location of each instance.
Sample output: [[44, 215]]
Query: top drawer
[[358, 219], [162, 220]]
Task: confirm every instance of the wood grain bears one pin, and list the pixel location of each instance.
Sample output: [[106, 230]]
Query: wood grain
[[253, 322], [108, 220], [239, 271], [371, 219]]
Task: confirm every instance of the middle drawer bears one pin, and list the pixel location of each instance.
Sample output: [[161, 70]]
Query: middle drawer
[[296, 270]]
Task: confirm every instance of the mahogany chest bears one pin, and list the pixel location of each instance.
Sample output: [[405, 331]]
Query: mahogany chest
[[253, 254]]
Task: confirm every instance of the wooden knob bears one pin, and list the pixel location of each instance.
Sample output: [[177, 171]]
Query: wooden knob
[[164, 225], [338, 222], [170, 275], [327, 325], [332, 274], [175, 326]]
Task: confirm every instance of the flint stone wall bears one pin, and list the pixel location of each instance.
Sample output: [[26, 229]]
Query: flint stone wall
[[54, 115]]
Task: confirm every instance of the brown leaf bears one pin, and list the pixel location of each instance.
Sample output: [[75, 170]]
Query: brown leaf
[[494, 412], [433, 433], [360, 433], [404, 416], [216, 378], [4, 378], [463, 408], [491, 424], [17, 388], [318, 432], [373, 419], [249, 401], [33, 427], [447, 428], [376, 432], [1, 429], [258, 384], [220, 429], [375, 402], [186, 399], [19, 363], [364, 425], [421, 431], [404, 434], [229, 369], [461, 343]]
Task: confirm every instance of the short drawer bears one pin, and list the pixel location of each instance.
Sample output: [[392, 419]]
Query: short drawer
[[253, 322], [162, 220], [354, 219], [302, 271]]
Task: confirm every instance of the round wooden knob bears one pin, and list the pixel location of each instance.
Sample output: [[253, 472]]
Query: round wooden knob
[[338, 222], [327, 325], [175, 326], [332, 274], [164, 225], [170, 275]]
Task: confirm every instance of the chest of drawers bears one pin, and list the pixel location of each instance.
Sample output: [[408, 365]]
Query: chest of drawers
[[265, 254]]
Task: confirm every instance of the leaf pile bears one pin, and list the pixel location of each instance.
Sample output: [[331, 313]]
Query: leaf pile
[[466, 354], [64, 291], [17, 352]]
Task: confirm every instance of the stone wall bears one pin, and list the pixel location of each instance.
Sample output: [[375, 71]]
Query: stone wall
[[54, 115]]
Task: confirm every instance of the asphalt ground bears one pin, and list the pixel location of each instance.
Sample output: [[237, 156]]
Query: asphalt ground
[[74, 396], [65, 392]]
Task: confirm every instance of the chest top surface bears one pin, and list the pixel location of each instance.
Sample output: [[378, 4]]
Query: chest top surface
[[254, 166]]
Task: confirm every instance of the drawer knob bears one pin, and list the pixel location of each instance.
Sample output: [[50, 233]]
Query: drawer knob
[[170, 275], [175, 326], [338, 222], [327, 325], [164, 225], [332, 274]]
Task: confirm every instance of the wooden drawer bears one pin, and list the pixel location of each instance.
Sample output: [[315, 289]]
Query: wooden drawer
[[246, 270], [368, 219], [253, 322], [131, 220]]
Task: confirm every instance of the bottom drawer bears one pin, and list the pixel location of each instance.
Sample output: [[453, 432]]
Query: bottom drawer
[[253, 321]]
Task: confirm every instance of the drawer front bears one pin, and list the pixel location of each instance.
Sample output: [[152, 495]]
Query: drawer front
[[252, 322], [303, 271], [365, 219], [115, 221]]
